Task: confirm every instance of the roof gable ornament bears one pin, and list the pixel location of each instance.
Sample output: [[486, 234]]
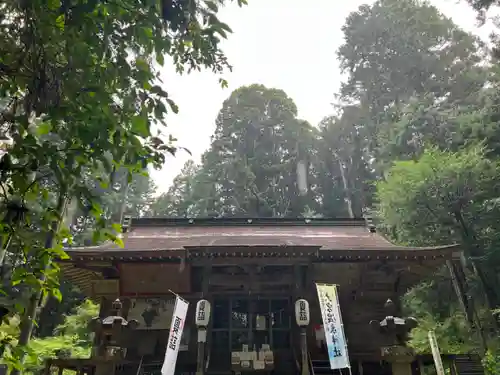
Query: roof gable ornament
[[369, 220], [126, 223]]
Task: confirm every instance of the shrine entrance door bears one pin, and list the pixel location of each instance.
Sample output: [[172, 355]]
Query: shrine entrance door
[[250, 322]]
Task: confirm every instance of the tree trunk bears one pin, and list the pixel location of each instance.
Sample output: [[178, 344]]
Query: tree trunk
[[347, 193], [31, 312], [471, 242]]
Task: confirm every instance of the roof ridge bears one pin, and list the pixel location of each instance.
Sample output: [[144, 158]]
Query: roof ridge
[[89, 247], [246, 221]]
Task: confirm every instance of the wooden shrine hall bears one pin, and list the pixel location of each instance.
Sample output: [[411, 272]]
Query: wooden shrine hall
[[251, 271]]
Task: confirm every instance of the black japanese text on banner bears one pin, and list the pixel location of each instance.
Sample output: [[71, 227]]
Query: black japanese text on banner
[[333, 327], [174, 338]]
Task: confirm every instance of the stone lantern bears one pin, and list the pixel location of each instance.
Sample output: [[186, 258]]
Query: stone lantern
[[396, 329], [109, 337]]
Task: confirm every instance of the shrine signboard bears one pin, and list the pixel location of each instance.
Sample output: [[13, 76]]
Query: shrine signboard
[[152, 313]]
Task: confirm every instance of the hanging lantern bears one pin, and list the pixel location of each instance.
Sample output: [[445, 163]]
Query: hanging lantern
[[202, 313], [302, 315]]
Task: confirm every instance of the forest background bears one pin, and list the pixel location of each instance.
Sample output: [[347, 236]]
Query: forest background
[[414, 141]]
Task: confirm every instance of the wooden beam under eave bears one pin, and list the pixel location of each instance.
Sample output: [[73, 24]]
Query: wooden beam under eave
[[238, 261], [82, 278]]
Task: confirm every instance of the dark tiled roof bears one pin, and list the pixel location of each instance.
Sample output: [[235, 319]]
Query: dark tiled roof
[[160, 235]]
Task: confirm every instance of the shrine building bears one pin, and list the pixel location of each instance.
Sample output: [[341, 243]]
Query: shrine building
[[252, 272]]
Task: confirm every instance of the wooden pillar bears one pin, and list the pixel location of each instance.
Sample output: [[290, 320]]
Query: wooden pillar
[[360, 367], [252, 272], [420, 366], [401, 368], [105, 369]]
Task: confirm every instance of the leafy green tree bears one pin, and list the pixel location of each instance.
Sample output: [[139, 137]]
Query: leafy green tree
[[131, 195], [181, 199], [441, 315], [396, 49], [253, 158], [491, 363], [71, 338], [482, 4], [442, 198], [439, 198], [54, 311], [251, 166], [343, 164], [415, 79], [402, 57], [450, 125], [82, 92]]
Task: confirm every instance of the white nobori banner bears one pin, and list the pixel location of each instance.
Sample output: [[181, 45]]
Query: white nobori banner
[[333, 327], [174, 338]]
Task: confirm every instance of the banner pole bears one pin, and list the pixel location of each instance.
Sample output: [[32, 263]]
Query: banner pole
[[140, 366], [343, 330], [177, 296]]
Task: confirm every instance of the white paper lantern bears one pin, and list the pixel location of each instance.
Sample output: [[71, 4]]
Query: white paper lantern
[[302, 315], [202, 313]]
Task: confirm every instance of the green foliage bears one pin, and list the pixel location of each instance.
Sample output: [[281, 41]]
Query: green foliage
[[342, 163], [72, 338], [55, 311], [491, 363], [184, 197], [50, 347], [442, 315], [250, 168], [439, 197], [131, 195], [81, 99], [389, 61], [417, 122], [76, 324]]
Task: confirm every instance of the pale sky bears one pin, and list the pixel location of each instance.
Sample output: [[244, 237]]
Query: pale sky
[[285, 44]]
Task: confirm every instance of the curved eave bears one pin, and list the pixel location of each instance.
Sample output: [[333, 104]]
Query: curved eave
[[82, 278], [125, 255], [395, 252], [317, 253], [74, 268]]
